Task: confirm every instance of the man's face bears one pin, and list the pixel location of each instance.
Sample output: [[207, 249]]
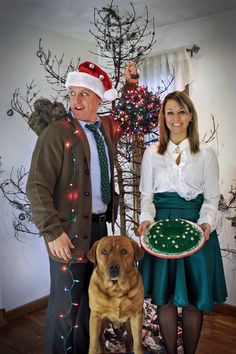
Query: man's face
[[84, 103]]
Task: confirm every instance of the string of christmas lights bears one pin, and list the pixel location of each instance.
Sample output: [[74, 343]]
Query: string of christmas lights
[[67, 316], [137, 112], [72, 196]]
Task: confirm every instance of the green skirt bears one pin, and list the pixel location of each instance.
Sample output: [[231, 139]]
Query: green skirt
[[196, 280]]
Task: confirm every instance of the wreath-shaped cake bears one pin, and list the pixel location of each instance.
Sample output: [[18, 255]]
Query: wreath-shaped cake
[[173, 238]]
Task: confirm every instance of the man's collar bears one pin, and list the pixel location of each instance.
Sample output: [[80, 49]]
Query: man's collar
[[83, 123]]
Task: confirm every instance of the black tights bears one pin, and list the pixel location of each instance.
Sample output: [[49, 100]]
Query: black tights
[[192, 319]]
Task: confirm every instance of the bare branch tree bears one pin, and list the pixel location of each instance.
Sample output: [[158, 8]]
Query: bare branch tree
[[213, 132], [23, 105], [123, 38], [13, 189], [56, 70], [120, 38]]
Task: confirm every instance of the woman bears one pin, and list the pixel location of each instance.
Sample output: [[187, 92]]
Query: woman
[[179, 179]]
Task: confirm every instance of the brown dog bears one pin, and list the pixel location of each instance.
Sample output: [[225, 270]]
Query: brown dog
[[116, 289]]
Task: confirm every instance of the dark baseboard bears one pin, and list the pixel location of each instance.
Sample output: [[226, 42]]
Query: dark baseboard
[[225, 309], [21, 311], [2, 317]]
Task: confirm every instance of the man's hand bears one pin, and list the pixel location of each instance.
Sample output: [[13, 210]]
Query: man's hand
[[61, 247], [206, 228], [132, 73], [143, 227]]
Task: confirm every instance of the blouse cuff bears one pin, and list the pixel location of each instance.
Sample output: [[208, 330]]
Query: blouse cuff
[[146, 217], [207, 219]]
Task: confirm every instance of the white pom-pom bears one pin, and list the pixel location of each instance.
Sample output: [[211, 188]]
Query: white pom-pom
[[110, 95]]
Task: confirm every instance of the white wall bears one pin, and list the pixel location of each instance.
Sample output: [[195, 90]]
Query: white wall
[[213, 92], [24, 271]]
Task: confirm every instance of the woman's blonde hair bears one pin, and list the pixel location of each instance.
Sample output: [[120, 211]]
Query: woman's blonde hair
[[192, 131]]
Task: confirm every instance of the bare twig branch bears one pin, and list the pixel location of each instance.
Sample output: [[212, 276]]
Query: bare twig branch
[[13, 190], [213, 131]]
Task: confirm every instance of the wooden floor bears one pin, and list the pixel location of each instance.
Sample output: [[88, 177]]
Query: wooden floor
[[25, 336]]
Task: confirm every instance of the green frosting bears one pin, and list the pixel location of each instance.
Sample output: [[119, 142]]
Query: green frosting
[[173, 237]]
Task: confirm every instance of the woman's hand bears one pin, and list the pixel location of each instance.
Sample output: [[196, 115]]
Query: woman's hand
[[206, 228], [143, 227], [132, 73]]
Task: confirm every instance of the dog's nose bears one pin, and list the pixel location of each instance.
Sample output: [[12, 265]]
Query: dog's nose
[[114, 270]]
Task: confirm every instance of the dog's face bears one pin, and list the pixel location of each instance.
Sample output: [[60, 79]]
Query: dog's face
[[114, 256]]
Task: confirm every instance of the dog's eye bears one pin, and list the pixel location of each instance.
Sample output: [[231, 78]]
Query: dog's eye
[[105, 252], [123, 251]]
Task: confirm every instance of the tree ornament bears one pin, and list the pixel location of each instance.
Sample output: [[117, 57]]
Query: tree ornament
[[137, 112], [22, 216], [10, 112], [39, 53]]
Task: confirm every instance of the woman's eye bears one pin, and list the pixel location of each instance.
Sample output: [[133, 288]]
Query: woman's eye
[[169, 113], [182, 112], [72, 93]]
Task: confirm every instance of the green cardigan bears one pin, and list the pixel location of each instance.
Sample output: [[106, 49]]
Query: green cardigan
[[59, 184]]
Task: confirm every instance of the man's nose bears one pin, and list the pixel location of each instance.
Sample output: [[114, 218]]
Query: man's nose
[[78, 98]]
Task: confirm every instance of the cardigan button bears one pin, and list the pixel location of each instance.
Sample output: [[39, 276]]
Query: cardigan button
[[87, 172], [86, 194]]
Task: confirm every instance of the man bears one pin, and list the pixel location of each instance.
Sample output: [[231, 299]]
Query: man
[[71, 191]]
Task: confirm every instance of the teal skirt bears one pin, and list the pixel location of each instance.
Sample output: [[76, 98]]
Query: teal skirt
[[196, 280]]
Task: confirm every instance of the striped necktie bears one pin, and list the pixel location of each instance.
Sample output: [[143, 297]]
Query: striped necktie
[[105, 183]]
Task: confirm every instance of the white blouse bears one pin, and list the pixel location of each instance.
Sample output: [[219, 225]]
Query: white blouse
[[196, 174]]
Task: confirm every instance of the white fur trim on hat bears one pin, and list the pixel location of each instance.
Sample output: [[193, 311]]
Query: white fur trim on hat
[[76, 78], [110, 95]]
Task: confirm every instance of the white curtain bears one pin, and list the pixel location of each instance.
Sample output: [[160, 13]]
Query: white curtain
[[157, 71]]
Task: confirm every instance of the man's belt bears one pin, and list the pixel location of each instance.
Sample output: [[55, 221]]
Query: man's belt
[[99, 217]]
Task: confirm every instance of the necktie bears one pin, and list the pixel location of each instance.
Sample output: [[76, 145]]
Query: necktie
[[105, 183]]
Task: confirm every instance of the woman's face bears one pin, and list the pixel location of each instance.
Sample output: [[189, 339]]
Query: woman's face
[[177, 119]]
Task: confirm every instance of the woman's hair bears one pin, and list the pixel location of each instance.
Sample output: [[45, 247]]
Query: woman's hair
[[192, 131]]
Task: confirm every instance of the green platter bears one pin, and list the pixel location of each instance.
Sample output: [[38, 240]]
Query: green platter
[[173, 238]]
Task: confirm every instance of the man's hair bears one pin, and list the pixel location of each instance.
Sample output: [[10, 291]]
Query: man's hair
[[192, 131]]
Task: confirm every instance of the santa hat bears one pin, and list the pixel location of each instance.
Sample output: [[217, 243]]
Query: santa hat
[[92, 77]]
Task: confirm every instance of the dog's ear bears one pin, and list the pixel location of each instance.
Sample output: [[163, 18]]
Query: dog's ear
[[138, 251], [92, 253]]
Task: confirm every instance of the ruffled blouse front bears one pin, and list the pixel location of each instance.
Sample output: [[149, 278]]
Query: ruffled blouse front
[[196, 173]]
